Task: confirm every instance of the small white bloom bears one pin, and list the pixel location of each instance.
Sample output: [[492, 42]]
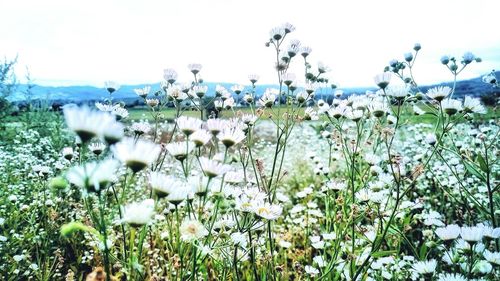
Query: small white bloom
[[192, 230], [139, 213]]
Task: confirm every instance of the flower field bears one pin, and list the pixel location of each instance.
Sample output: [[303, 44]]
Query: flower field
[[392, 184]]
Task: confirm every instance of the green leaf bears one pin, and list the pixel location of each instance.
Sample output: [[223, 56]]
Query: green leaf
[[380, 254], [423, 251], [482, 163], [472, 170]]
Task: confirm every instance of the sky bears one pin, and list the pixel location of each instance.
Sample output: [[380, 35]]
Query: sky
[[65, 42]]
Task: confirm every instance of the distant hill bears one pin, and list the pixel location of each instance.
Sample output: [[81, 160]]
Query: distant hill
[[88, 94]]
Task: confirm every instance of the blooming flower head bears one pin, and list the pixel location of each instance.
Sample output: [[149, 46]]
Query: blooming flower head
[[268, 211], [161, 184], [398, 92], [200, 137], [269, 97], [383, 79], [188, 125], [195, 68], [97, 148], [93, 176], [310, 114], [237, 89], [451, 277], [170, 75], [492, 257], [111, 86], [305, 51], [143, 92], [378, 108], [439, 93], [311, 270], [473, 105], [136, 154], [181, 192], [139, 213], [180, 150], [277, 33], [192, 230], [425, 267], [175, 92], [87, 123], [212, 168], [231, 136], [199, 91], [451, 106], [471, 234], [450, 232], [253, 78]]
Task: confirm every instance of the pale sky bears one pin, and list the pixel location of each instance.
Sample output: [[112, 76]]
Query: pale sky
[[67, 42]]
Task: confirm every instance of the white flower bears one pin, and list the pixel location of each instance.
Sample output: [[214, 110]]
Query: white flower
[[93, 175], [310, 114], [473, 105], [188, 125], [237, 89], [451, 106], [200, 137], [215, 126], [120, 112], [161, 184], [425, 267], [449, 232], [68, 153], [284, 244], [417, 110], [378, 108], [97, 147], [239, 238], [398, 92], [139, 213], [311, 270], [354, 115], [451, 277], [198, 91], [180, 150], [490, 232], [111, 86], [493, 257], [288, 78], [136, 154], [253, 78], [192, 230], [482, 267], [181, 192], [170, 75], [471, 234], [87, 123], [212, 168], [143, 92], [439, 93], [231, 136], [176, 93], [319, 261], [140, 128], [431, 139], [269, 97], [267, 211], [382, 80], [194, 67]]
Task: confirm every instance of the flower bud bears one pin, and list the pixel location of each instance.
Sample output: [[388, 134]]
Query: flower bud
[[445, 59]]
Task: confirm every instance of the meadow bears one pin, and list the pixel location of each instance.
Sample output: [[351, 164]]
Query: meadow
[[393, 184]]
